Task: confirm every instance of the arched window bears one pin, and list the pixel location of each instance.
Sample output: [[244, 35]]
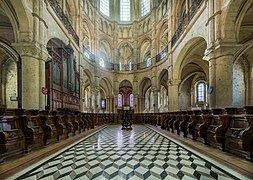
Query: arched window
[[201, 92], [101, 62], [145, 7], [105, 7], [120, 99], [131, 100], [149, 62], [125, 10]]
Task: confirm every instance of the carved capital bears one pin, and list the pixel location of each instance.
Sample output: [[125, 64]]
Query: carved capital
[[34, 50]]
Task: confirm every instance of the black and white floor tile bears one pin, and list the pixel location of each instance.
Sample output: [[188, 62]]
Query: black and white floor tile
[[113, 153]]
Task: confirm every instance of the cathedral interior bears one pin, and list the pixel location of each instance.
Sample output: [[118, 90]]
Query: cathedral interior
[[126, 89]]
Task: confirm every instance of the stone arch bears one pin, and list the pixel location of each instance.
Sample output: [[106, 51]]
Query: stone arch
[[241, 72], [105, 50], [163, 37], [89, 77], [178, 12], [187, 90], [144, 84], [87, 35], [145, 50], [190, 46], [245, 10], [145, 95], [18, 17], [163, 79], [86, 88], [228, 30], [73, 11], [106, 85], [125, 89], [10, 77]]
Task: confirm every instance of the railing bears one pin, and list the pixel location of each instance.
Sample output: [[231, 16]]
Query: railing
[[162, 54], [185, 21], [59, 12], [109, 65], [144, 64], [125, 67], [91, 57]]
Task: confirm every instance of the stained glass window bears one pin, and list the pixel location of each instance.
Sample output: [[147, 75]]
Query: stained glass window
[[120, 100], [131, 97]]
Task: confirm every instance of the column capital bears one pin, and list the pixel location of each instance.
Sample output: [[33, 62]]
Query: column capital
[[221, 49], [30, 49], [174, 82]]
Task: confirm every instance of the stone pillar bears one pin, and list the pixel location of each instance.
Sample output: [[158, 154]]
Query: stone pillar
[[108, 104], [155, 100], [250, 100], [141, 103], [111, 104], [42, 81], [95, 93], [33, 75], [211, 23], [173, 94], [115, 102], [82, 97], [221, 78], [217, 8]]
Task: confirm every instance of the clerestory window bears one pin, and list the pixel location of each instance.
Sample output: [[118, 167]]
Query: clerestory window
[[145, 7], [104, 7], [125, 10]]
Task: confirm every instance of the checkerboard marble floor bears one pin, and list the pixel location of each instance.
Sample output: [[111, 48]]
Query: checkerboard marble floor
[[113, 153]]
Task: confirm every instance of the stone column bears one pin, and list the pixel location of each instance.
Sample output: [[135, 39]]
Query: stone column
[[211, 23], [115, 102], [141, 103], [155, 100], [111, 104], [95, 93], [221, 78], [217, 8], [33, 75], [108, 103], [250, 92], [173, 94], [82, 97]]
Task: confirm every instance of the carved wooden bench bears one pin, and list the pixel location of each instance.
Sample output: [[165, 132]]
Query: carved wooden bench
[[177, 121], [69, 126], [75, 124], [193, 128], [247, 135], [186, 119], [203, 127], [60, 127], [32, 122], [47, 124], [215, 122], [237, 125], [171, 121], [221, 130], [12, 138]]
